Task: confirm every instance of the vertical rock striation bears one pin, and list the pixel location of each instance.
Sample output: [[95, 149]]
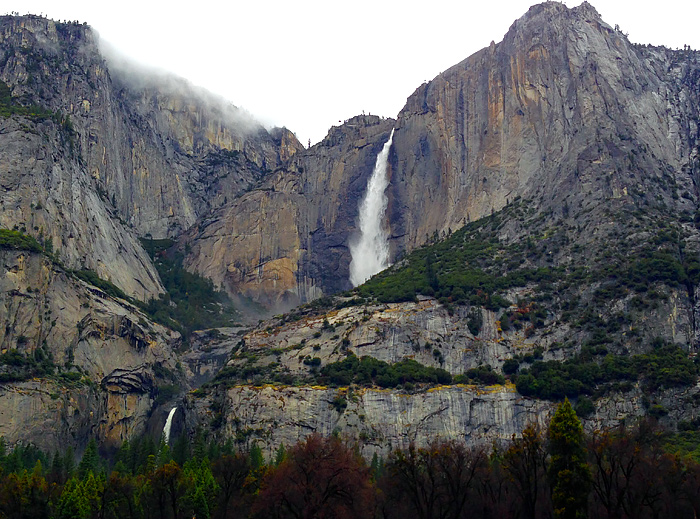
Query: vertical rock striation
[[122, 153], [107, 358], [564, 111], [286, 241]]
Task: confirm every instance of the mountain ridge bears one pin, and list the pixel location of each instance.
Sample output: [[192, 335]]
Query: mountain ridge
[[512, 174]]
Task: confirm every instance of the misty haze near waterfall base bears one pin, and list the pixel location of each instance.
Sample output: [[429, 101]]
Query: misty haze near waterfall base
[[370, 253]]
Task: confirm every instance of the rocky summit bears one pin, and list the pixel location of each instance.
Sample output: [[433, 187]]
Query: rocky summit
[[543, 224]]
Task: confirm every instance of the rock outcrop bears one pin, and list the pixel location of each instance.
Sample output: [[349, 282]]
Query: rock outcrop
[[427, 332], [243, 404], [286, 241], [383, 420], [107, 359], [380, 420], [583, 139], [564, 111], [118, 152]]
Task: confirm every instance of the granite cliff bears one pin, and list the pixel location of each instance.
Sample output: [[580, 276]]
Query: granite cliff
[[268, 392], [286, 241], [519, 168], [543, 209], [102, 360], [94, 154], [130, 153], [565, 112]]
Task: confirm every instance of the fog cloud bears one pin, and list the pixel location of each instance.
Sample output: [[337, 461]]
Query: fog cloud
[[149, 81]]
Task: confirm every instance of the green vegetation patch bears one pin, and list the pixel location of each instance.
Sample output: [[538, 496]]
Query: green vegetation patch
[[18, 366], [470, 267], [686, 442], [249, 372], [666, 366], [16, 240], [191, 301], [483, 375], [15, 366], [9, 106], [107, 286], [368, 371]]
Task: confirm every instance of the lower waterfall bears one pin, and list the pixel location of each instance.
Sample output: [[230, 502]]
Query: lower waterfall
[[168, 425]]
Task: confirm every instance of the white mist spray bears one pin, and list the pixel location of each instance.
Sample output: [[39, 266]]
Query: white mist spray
[[370, 254], [168, 425]]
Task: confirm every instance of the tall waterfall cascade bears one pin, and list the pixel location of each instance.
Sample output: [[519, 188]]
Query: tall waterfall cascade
[[168, 425], [370, 252]]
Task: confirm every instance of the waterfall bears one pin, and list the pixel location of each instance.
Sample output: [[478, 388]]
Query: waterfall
[[370, 253], [168, 425]]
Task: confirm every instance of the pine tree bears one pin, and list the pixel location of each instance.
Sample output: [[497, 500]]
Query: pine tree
[[90, 461], [69, 462], [181, 450], [280, 455], [72, 504], [376, 467], [256, 457], [144, 450], [151, 464], [200, 445], [569, 474], [198, 504], [56, 474], [202, 492], [36, 492]]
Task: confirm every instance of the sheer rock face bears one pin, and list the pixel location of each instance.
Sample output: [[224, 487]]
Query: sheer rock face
[[106, 155], [381, 420], [128, 152], [286, 241], [105, 343], [46, 193], [563, 111], [424, 331]]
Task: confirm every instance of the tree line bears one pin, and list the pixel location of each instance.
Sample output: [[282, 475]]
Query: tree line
[[553, 472]]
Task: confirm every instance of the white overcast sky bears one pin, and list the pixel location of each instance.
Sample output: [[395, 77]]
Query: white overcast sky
[[308, 64]]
